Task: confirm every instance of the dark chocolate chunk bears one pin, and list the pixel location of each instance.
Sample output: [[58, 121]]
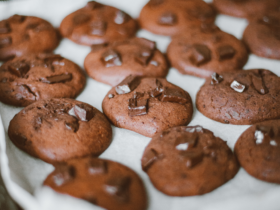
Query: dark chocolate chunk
[[148, 159], [118, 187], [24, 92], [137, 107], [17, 18], [63, 174], [158, 90], [138, 95], [208, 28], [80, 19], [237, 86], [97, 47], [58, 78], [72, 124], [128, 84], [19, 68], [155, 2], [266, 134], [83, 112], [111, 58], [5, 41], [270, 20], [168, 18], [226, 52], [93, 5], [145, 43], [193, 157], [258, 84], [121, 17], [144, 57], [216, 78], [4, 27], [96, 166], [98, 28], [201, 54], [184, 142], [111, 96], [173, 95]]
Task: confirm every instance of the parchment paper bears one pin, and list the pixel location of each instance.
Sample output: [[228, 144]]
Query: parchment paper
[[24, 175]]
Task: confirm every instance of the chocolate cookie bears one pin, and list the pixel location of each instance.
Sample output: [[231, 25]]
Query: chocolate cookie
[[240, 98], [147, 105], [263, 36], [97, 24], [169, 18], [201, 52], [184, 161], [29, 78], [258, 151], [246, 8], [22, 35], [113, 63], [56, 130], [105, 183]]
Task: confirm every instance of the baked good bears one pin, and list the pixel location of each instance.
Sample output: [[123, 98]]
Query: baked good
[[241, 98], [56, 130], [258, 151], [246, 8], [113, 63], [171, 17], [22, 35], [262, 36], [147, 105], [185, 161], [201, 52], [97, 23], [29, 78], [105, 183]]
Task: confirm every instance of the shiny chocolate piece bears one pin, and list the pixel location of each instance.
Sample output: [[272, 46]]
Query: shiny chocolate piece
[[93, 5], [128, 84], [58, 78], [111, 58], [173, 96], [158, 90], [83, 112], [118, 187], [216, 78], [63, 174], [4, 27], [265, 134], [144, 57], [80, 19], [98, 28], [168, 18], [5, 41], [270, 21], [148, 159], [155, 2], [17, 18], [96, 166], [72, 124], [138, 95], [145, 43], [97, 47], [24, 92], [111, 96], [258, 84], [137, 107], [226, 52], [194, 129], [193, 157], [201, 54], [19, 69], [184, 143], [121, 17], [237, 86]]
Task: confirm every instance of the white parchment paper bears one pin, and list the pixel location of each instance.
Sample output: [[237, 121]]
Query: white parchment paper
[[24, 175]]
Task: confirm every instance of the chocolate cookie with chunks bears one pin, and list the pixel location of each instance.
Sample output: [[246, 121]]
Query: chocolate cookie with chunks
[[23, 35], [26, 79], [105, 183], [169, 17], [97, 24], [201, 52], [262, 36], [147, 105], [246, 8], [241, 98], [186, 161], [113, 63], [56, 130], [258, 151]]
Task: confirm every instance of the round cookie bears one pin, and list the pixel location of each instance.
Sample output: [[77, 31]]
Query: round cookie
[[22, 35], [169, 18], [201, 52], [113, 63], [56, 130], [28, 78], [97, 24], [258, 151], [185, 161], [105, 183], [262, 36], [246, 8], [240, 98], [147, 105]]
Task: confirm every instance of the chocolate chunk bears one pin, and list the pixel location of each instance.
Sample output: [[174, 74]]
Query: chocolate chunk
[[258, 84], [121, 17], [264, 134], [111, 58], [168, 18], [155, 2], [194, 129], [93, 5], [216, 78], [145, 43], [19, 68], [49, 57], [118, 187], [201, 54], [72, 124], [144, 57], [138, 95], [4, 27], [226, 52], [148, 159], [63, 174], [111, 96], [83, 112], [208, 28], [137, 107], [173, 96], [184, 142], [193, 157], [237, 86], [270, 20], [98, 28], [80, 19], [5, 41], [24, 92], [32, 26], [58, 78], [155, 63], [128, 84], [17, 18], [97, 47], [96, 166], [158, 90], [4, 80]]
